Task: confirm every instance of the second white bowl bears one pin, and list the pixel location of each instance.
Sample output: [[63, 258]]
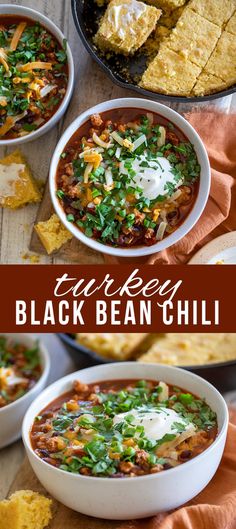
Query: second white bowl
[[141, 496], [22, 11], [11, 416]]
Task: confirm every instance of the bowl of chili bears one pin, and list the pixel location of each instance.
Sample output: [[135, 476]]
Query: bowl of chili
[[129, 177], [24, 368], [36, 74], [112, 441]]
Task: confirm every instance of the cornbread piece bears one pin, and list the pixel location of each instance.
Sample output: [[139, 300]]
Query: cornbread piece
[[17, 186], [170, 73], [118, 346], [170, 19], [194, 37], [52, 233], [208, 84], [167, 5], [25, 509], [192, 349], [231, 26], [126, 25], [217, 11], [222, 62]]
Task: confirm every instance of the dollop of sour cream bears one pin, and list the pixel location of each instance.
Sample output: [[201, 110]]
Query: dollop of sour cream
[[156, 424], [153, 178], [121, 17]]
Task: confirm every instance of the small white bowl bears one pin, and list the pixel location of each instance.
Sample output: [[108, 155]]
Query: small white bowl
[[11, 416], [9, 9], [141, 496], [190, 133]]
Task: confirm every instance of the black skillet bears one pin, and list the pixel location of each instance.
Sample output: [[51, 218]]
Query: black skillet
[[123, 71], [222, 375]]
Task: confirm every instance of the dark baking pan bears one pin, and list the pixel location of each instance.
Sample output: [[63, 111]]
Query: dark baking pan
[[124, 71], [221, 375]]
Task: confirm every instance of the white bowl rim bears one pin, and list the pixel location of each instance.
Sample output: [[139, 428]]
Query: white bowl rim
[[68, 378], [44, 357], [59, 35], [191, 219]]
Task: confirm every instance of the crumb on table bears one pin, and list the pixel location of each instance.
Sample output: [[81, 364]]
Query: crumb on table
[[52, 233]]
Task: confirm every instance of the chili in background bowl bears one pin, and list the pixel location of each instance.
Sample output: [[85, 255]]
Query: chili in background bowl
[[182, 126], [140, 496], [12, 414], [24, 13]]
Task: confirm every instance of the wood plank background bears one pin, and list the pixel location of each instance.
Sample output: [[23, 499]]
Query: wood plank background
[[91, 87]]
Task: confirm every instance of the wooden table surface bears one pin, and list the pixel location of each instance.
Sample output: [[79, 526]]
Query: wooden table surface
[[91, 87]]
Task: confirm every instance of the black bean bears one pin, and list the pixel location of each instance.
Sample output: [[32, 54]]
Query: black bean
[[167, 466], [186, 454]]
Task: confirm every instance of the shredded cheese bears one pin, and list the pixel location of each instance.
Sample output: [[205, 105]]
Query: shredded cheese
[[100, 142], [162, 138], [161, 230], [38, 65], [10, 122], [17, 35], [94, 158], [3, 59], [87, 172]]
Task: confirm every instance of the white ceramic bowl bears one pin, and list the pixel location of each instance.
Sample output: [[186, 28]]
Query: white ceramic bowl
[[190, 133], [11, 416], [141, 496], [9, 9]]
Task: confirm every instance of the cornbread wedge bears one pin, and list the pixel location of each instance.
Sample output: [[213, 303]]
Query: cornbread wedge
[[222, 62], [208, 84], [192, 349], [194, 37], [25, 509], [231, 26], [217, 11], [170, 73], [117, 346], [52, 233], [17, 185], [126, 25]]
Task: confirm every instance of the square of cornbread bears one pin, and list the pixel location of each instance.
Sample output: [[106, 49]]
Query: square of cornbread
[[217, 11], [191, 349], [194, 36], [208, 84], [52, 233], [126, 25], [170, 73], [231, 26], [17, 185], [25, 509], [170, 19], [222, 62], [167, 5], [110, 345]]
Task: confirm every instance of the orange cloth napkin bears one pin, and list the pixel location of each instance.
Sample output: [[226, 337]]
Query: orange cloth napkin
[[218, 132], [213, 508]]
